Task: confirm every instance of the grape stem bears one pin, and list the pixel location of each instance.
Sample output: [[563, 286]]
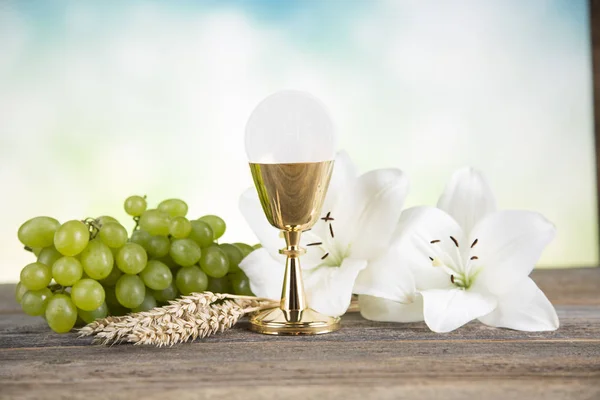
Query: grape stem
[[93, 225], [137, 222], [29, 249], [57, 288], [137, 219]]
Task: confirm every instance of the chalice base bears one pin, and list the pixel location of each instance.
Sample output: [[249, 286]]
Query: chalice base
[[275, 321]]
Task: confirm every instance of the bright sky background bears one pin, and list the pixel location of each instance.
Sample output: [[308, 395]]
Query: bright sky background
[[101, 100]]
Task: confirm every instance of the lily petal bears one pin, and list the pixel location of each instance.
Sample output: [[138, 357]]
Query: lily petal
[[252, 210], [329, 289], [367, 215], [265, 273], [418, 227], [378, 309], [387, 277], [509, 245], [343, 176], [467, 198], [524, 308], [314, 252], [446, 310]]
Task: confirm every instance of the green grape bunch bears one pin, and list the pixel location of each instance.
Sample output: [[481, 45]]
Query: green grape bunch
[[88, 269]]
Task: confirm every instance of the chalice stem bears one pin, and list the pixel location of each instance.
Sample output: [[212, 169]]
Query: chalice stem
[[293, 299]]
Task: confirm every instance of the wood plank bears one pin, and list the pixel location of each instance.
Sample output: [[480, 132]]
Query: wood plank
[[363, 360], [569, 286], [577, 323], [228, 368], [415, 388]]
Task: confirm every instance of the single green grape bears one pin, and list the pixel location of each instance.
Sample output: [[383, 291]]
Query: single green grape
[[67, 270], [180, 227], [130, 291], [90, 316], [135, 205], [148, 304], [234, 256], [201, 233], [20, 290], [220, 285], [113, 234], [155, 222], [34, 302], [87, 294], [97, 260], [185, 252], [216, 223], [245, 248], [48, 256], [132, 259], [170, 293], [71, 238], [36, 276], [38, 232], [191, 279], [61, 313], [105, 219], [112, 278], [156, 275], [214, 262], [140, 237], [174, 207], [241, 284], [158, 246]]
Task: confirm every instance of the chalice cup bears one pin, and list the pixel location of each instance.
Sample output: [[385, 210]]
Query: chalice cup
[[291, 147]]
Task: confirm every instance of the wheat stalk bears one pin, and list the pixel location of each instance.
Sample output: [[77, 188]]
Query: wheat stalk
[[195, 316]]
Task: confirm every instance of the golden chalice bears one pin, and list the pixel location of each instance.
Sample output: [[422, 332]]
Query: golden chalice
[[291, 147]]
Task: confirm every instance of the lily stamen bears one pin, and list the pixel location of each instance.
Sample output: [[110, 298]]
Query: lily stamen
[[436, 262], [454, 264], [328, 217], [442, 258], [454, 240], [474, 243], [331, 230], [314, 244]]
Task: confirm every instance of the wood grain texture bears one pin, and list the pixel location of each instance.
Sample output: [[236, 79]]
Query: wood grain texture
[[363, 360]]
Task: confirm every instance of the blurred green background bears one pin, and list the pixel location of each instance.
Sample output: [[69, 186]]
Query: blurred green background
[[101, 100]]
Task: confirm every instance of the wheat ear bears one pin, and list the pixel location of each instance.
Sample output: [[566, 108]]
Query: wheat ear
[[195, 316]]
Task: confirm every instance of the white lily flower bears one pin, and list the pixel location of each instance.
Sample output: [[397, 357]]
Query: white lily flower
[[360, 215], [469, 262]]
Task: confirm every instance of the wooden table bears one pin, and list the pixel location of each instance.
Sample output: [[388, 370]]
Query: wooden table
[[363, 360]]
